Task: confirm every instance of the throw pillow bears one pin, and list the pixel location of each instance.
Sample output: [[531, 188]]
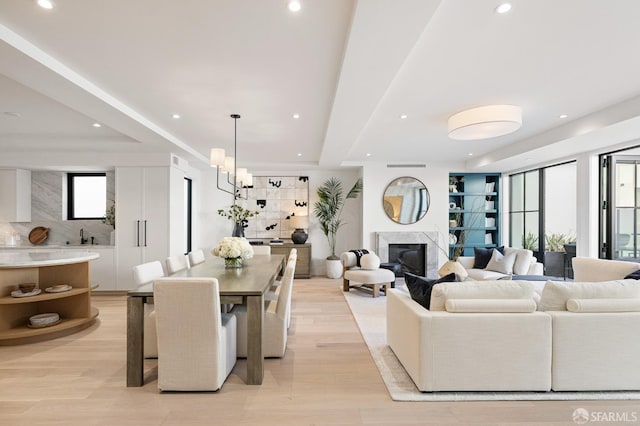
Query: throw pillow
[[501, 263], [635, 275], [370, 261], [482, 256], [420, 287]]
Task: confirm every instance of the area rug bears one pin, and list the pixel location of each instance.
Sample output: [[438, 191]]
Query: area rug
[[370, 315]]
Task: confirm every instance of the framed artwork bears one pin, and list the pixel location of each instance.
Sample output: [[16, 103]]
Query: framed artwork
[[277, 198]]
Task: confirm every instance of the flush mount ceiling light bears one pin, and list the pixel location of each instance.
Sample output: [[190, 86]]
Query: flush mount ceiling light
[[45, 4], [485, 122], [503, 8], [294, 6]]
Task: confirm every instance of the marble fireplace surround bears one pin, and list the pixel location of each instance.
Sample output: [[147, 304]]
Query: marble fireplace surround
[[383, 239]]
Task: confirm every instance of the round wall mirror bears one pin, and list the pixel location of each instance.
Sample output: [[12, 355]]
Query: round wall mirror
[[406, 200]]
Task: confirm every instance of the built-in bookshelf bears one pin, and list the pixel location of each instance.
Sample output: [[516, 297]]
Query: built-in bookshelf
[[474, 212]]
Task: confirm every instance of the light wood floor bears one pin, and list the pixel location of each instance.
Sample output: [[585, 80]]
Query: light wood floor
[[327, 377]]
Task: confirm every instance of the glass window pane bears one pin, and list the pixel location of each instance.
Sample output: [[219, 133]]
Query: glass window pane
[[517, 192], [517, 230], [531, 231], [532, 191], [89, 196], [560, 200], [625, 185]]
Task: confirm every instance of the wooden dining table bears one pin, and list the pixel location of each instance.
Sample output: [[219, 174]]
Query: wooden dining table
[[241, 286]]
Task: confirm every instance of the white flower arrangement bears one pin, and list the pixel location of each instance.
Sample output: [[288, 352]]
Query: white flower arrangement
[[233, 247]]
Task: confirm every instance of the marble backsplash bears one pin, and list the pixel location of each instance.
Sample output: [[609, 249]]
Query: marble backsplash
[[47, 210]]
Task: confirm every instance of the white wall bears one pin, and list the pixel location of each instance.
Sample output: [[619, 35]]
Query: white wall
[[560, 199], [210, 228], [377, 176]]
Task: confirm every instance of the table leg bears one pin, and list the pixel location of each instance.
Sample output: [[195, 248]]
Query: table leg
[[255, 358], [135, 330]]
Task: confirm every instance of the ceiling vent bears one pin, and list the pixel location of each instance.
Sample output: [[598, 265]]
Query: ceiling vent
[[406, 166]]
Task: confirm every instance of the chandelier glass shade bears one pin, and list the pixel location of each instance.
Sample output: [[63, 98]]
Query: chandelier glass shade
[[237, 178]]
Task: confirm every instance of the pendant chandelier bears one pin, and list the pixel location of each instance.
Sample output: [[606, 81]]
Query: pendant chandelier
[[237, 178]]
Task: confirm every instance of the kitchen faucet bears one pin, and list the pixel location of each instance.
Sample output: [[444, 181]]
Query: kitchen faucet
[[83, 240]]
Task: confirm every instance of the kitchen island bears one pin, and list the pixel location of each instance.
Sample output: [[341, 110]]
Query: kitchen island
[[71, 299]]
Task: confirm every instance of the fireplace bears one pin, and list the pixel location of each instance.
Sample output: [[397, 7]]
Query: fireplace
[[428, 240], [410, 257]]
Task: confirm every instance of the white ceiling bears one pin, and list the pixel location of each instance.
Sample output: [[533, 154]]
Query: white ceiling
[[349, 68]]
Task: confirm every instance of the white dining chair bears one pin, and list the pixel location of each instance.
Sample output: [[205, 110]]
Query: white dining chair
[[176, 263], [293, 254], [144, 274], [196, 257], [196, 342], [261, 249], [276, 313]]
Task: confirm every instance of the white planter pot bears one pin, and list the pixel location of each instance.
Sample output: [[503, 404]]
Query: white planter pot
[[334, 268]]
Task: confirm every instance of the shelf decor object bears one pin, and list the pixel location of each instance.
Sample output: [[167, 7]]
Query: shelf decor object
[[299, 236]]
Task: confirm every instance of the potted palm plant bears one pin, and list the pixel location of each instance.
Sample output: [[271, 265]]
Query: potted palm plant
[[554, 254], [328, 210]]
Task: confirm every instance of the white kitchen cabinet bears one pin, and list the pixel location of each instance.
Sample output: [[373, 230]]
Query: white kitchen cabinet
[[103, 269], [143, 218], [15, 195]]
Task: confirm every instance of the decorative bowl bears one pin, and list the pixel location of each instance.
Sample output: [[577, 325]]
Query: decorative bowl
[[27, 287]]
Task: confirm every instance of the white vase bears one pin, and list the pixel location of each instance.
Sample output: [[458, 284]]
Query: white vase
[[334, 268]]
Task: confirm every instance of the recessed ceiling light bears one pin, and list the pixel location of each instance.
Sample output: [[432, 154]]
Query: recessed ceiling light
[[176, 116], [470, 154], [403, 116], [296, 116], [11, 114], [503, 8], [563, 116], [45, 4], [299, 154], [96, 125], [368, 154], [294, 6]]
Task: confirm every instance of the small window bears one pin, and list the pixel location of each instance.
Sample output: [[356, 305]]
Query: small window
[[86, 196]]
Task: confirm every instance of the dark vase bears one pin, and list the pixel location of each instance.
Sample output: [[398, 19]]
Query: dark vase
[[238, 230]]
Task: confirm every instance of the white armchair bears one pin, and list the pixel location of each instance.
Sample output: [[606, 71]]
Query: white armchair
[[368, 277], [196, 342]]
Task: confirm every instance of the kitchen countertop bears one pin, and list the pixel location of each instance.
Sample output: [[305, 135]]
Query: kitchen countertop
[[56, 247], [31, 259]]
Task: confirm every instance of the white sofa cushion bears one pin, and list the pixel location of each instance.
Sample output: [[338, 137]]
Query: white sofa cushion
[[556, 293], [524, 259], [483, 275], [502, 263], [479, 290], [603, 305], [592, 270], [490, 305]]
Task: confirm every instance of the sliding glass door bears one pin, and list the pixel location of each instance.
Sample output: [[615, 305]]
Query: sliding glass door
[[620, 207]]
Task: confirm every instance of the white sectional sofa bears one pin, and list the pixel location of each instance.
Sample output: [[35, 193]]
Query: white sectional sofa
[[515, 336], [485, 350], [525, 264]]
